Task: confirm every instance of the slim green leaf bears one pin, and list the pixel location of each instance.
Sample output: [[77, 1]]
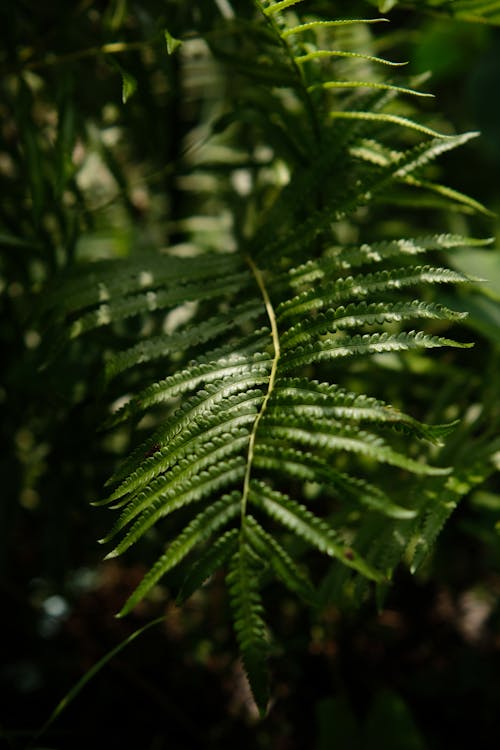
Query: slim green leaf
[[172, 43], [251, 632], [201, 528], [308, 527]]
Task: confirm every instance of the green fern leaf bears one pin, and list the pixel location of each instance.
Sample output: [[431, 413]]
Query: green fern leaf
[[208, 562], [442, 499], [114, 279], [168, 499], [181, 436], [220, 365], [341, 258], [169, 442], [268, 548], [244, 439], [310, 398], [321, 54], [308, 467], [354, 346], [251, 632], [116, 310], [308, 527], [326, 85], [380, 117], [455, 196], [158, 347], [279, 6], [320, 433], [201, 528], [311, 25], [363, 314], [358, 287]]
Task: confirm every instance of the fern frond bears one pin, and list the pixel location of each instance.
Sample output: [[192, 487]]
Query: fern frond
[[114, 279], [201, 528], [182, 435], [158, 347], [364, 314], [306, 466], [309, 397], [251, 632], [250, 423], [453, 195], [208, 562], [355, 346], [363, 285], [424, 153], [373, 151], [311, 25], [442, 499], [390, 119], [221, 446], [165, 497], [279, 6], [319, 433], [321, 54], [120, 309], [326, 85], [279, 560], [216, 366], [342, 258], [313, 530]]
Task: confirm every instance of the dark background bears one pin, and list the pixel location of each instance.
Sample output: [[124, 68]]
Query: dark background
[[422, 673]]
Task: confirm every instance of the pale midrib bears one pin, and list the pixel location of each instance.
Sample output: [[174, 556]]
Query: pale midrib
[[272, 378]]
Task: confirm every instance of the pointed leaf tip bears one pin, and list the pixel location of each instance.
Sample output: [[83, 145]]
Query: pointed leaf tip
[[129, 86], [172, 43]]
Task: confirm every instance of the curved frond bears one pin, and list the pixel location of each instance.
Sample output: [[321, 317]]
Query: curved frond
[[159, 347], [310, 398], [313, 530], [324, 434], [273, 457], [201, 528], [326, 85], [336, 259], [109, 280], [354, 346], [208, 562], [251, 632], [364, 314], [312, 25], [386, 118], [244, 411], [216, 366], [279, 6], [201, 422], [321, 54], [280, 561], [126, 307], [358, 287]]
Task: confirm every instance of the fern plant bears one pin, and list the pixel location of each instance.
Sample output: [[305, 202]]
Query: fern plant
[[269, 456]]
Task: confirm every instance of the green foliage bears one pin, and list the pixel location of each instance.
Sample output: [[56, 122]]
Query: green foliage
[[271, 454], [480, 11]]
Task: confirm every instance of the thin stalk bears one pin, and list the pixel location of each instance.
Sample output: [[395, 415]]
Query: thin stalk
[[272, 378]]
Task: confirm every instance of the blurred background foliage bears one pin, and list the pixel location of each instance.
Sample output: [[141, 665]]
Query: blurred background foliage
[[108, 141]]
